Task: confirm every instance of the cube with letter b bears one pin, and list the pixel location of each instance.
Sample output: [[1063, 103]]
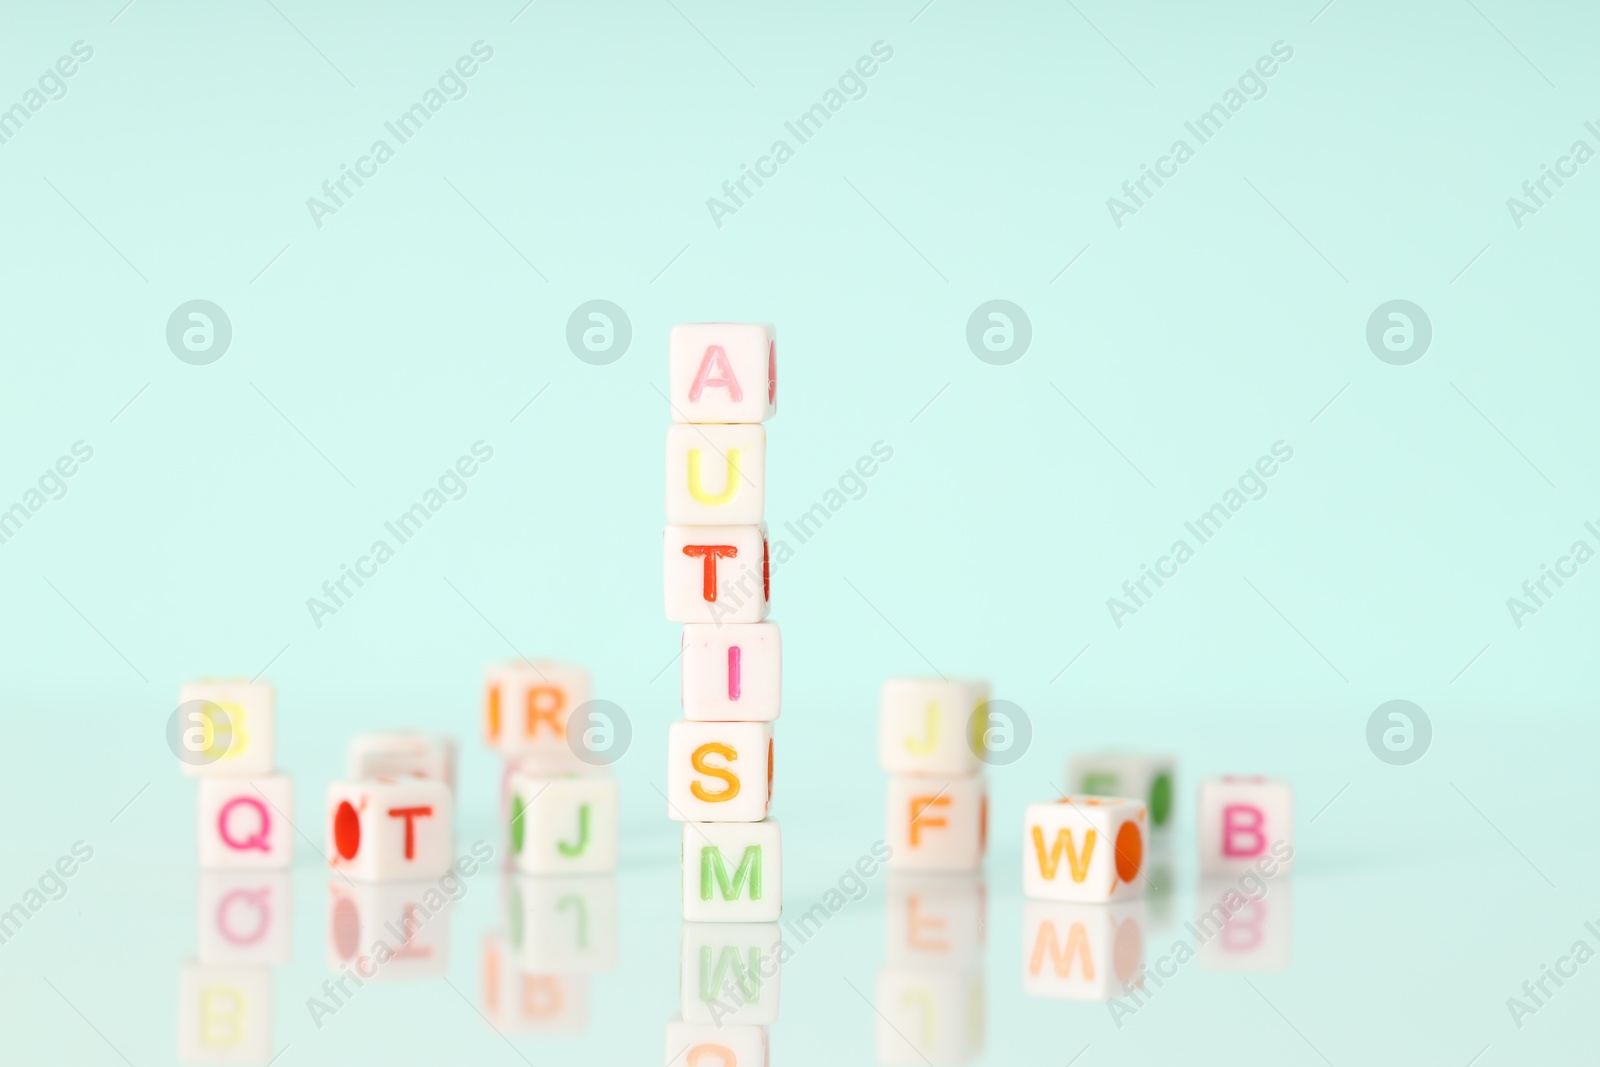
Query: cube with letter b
[[1241, 820]]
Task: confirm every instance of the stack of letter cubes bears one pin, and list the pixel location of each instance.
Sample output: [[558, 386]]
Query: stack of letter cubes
[[390, 837], [930, 739], [560, 810], [722, 386], [226, 740]]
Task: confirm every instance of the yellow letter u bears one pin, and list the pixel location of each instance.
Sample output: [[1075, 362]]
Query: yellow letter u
[[729, 491]]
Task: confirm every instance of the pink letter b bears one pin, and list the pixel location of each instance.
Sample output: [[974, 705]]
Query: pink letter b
[[1243, 821]]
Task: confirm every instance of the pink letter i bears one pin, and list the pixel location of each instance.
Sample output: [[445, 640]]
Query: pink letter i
[[733, 672]]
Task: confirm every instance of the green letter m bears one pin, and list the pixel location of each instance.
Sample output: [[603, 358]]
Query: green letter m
[[712, 867]]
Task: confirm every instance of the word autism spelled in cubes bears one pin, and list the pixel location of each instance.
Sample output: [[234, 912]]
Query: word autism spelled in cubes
[[930, 737], [224, 734], [723, 385]]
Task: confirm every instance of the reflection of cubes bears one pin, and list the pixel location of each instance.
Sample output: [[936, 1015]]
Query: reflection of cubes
[[935, 919], [244, 917], [1082, 951], [224, 1014], [527, 704], [929, 726], [564, 825], [392, 932], [226, 727], [732, 872], [1084, 849], [730, 973], [1127, 774], [518, 1002], [699, 1045], [403, 753], [930, 1015], [246, 822], [1245, 924], [937, 824], [389, 829], [1241, 821], [563, 925]]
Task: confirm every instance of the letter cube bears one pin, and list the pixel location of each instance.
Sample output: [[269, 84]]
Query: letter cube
[[246, 822], [930, 726], [929, 1015], [389, 829], [1245, 924], [564, 825], [934, 919], [702, 1045], [245, 917], [732, 673], [722, 372], [225, 726], [731, 973], [716, 574], [1242, 819], [1126, 774], [1084, 849], [1082, 951], [937, 824], [716, 475], [719, 771], [526, 707], [224, 1014], [732, 872], [402, 754], [396, 931], [559, 924]]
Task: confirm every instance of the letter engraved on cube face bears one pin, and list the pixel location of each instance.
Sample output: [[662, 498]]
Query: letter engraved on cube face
[[492, 713], [263, 825], [711, 553], [346, 830], [730, 780], [234, 740], [729, 490], [1243, 821], [920, 820], [220, 1009], [544, 704], [733, 672], [714, 872], [1103, 783], [716, 361], [519, 823], [410, 815], [1061, 956], [576, 849], [1077, 863], [930, 735]]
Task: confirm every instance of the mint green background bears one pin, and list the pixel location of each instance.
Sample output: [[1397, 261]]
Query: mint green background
[[976, 167]]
